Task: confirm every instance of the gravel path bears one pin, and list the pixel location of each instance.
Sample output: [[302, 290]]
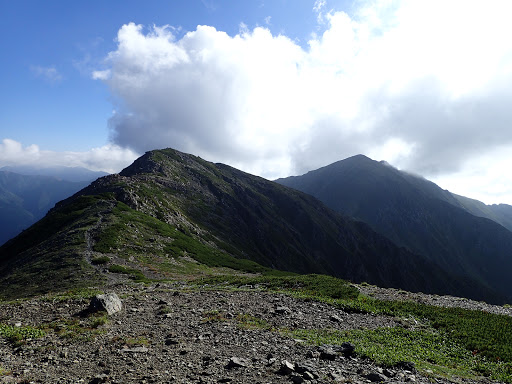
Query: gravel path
[[439, 301]]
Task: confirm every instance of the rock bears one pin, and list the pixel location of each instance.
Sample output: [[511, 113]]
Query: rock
[[336, 319], [347, 349], [406, 366], [108, 302], [376, 377], [237, 362], [309, 376], [99, 379], [327, 353], [171, 341], [282, 310], [297, 379], [286, 368], [185, 351], [313, 354], [306, 368], [336, 377], [135, 350]]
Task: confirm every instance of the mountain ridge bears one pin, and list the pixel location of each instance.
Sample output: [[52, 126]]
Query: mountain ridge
[[168, 207], [415, 213]]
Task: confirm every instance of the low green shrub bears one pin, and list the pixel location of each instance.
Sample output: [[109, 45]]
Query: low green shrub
[[100, 260], [247, 321], [134, 274], [17, 335], [312, 286], [74, 294]]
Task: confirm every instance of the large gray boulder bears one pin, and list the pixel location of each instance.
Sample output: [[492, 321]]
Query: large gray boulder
[[108, 302]]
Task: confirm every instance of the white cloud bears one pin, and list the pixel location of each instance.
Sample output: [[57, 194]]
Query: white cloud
[[482, 178], [109, 158], [426, 82], [318, 8], [101, 75], [49, 74]]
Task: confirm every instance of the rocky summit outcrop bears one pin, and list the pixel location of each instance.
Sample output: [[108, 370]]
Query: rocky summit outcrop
[[170, 333]]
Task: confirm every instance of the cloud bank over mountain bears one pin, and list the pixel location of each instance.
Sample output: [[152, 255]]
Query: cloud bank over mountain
[[424, 85], [109, 158]]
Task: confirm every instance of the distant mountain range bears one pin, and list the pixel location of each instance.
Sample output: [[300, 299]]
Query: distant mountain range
[[170, 211], [26, 198], [62, 173], [460, 235]]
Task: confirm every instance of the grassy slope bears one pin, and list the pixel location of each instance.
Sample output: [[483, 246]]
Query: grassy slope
[[50, 255], [138, 236]]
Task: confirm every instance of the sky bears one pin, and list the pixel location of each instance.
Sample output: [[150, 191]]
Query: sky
[[272, 87]]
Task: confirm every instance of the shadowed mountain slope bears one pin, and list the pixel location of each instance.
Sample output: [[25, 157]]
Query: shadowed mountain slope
[[500, 213], [415, 213], [169, 208]]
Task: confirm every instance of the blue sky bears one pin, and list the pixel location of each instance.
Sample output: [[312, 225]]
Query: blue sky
[[272, 87], [66, 110]]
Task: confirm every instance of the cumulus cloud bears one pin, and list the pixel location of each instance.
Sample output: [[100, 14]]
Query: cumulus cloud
[[426, 84], [109, 158]]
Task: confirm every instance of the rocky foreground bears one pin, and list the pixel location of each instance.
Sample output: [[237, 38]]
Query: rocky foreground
[[169, 333]]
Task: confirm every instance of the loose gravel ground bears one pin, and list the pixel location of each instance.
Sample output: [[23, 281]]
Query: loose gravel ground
[[169, 333]]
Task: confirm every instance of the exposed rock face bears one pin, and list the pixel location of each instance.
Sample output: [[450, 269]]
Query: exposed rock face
[[108, 302]]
